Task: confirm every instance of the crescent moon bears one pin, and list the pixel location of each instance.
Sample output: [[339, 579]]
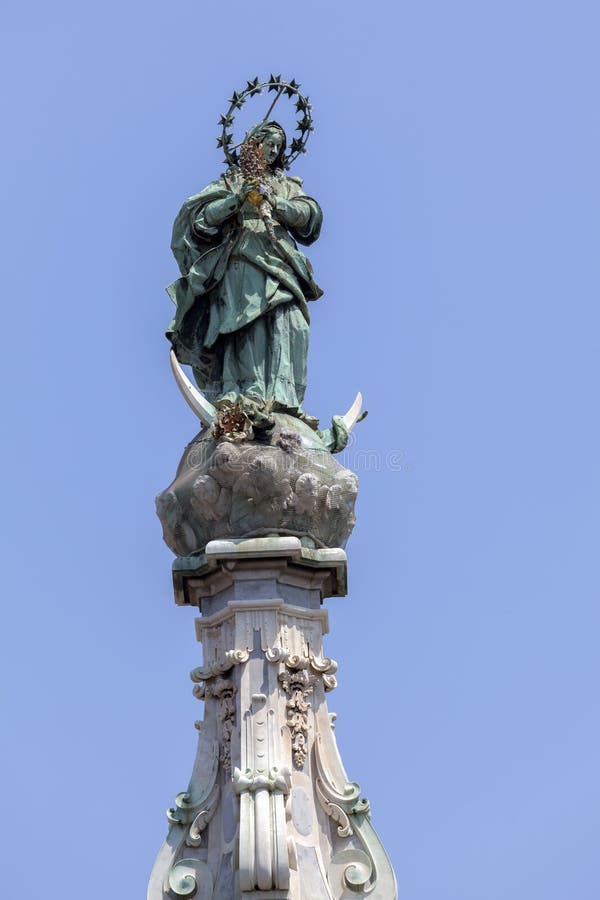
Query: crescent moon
[[353, 414], [205, 411]]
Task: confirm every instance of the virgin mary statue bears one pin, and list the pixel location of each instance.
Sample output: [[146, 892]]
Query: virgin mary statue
[[242, 318]]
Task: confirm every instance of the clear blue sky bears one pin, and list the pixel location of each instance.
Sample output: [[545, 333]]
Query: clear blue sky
[[457, 161]]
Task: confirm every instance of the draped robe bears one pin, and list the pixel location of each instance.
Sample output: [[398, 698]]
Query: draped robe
[[241, 317]]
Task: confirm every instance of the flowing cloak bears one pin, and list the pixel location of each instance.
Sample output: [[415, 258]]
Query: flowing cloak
[[212, 304]]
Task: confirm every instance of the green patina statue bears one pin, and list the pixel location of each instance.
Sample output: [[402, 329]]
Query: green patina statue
[[260, 464], [242, 318]]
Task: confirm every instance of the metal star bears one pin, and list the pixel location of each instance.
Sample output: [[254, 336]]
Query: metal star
[[237, 100], [292, 88]]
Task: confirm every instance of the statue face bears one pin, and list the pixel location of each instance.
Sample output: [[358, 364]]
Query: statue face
[[271, 144]]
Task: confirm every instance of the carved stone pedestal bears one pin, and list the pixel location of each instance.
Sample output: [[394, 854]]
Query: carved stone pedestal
[[269, 811]]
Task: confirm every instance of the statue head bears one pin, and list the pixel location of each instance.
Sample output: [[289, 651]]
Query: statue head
[[274, 142]]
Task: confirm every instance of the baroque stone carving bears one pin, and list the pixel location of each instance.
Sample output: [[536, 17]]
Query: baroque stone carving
[[297, 678], [288, 483], [191, 878], [225, 662], [211, 685], [253, 780], [366, 871], [298, 685], [188, 819], [223, 690], [262, 786], [194, 815], [194, 838], [321, 665]]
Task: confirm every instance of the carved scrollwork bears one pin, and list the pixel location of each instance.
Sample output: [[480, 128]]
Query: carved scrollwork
[[209, 683], [224, 691], [181, 813], [194, 814], [339, 805], [366, 871], [276, 654], [191, 878], [335, 812], [227, 661], [321, 665], [329, 683], [194, 838], [351, 870]]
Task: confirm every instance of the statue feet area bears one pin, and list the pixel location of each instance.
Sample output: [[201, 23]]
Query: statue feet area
[[269, 810]]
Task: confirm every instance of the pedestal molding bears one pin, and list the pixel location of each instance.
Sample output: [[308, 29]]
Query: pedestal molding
[[203, 623]]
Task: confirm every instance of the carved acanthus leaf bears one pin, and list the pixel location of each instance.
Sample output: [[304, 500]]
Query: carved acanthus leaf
[[298, 684], [223, 690], [335, 812]]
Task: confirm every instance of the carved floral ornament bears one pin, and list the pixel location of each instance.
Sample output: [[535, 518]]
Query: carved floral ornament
[[298, 676], [298, 685], [224, 691]]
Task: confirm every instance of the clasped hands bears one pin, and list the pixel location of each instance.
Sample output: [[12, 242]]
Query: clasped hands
[[256, 195]]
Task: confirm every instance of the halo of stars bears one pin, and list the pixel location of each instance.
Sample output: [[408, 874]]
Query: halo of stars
[[304, 124]]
